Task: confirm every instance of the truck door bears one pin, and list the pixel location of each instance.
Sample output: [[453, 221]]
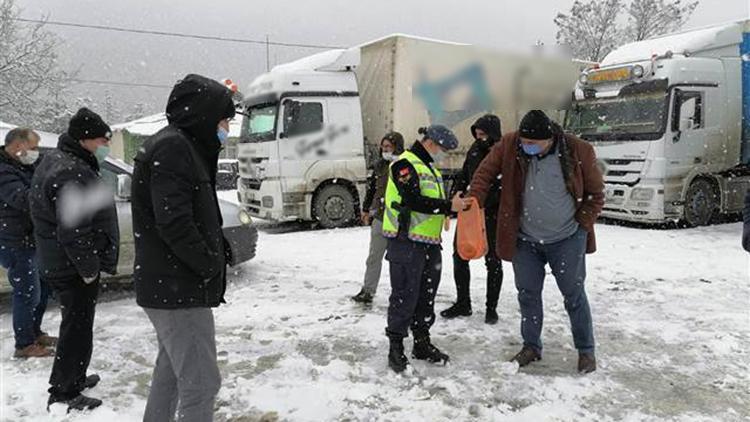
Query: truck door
[[688, 127], [694, 145], [302, 142]]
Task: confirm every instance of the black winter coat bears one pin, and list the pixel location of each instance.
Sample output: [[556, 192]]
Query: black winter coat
[[16, 229], [746, 225], [179, 245], [90, 243], [490, 124]]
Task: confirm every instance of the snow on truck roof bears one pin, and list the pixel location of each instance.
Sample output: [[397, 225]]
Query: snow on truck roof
[[693, 41], [340, 59]]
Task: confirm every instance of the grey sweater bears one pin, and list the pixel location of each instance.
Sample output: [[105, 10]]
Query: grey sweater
[[548, 211]]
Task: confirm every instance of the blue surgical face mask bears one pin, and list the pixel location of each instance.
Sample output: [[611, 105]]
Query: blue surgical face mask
[[223, 135], [102, 151], [532, 149]]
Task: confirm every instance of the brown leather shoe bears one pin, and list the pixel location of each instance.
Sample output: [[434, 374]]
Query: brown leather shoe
[[46, 340], [33, 351], [526, 356], [586, 363]]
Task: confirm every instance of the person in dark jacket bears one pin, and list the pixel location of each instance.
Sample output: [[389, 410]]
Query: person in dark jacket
[[17, 250], [78, 238], [391, 146], [180, 251], [746, 224], [486, 132]]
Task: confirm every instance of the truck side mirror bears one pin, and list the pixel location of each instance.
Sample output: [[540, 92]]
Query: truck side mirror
[[124, 183]]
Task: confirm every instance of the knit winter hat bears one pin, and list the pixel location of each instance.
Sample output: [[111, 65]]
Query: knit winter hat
[[536, 125], [88, 125]]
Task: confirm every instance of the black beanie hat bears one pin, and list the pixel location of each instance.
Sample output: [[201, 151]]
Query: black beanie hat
[[88, 125], [536, 125]]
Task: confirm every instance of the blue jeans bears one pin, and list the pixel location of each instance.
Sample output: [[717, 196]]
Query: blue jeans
[[29, 293], [567, 259]]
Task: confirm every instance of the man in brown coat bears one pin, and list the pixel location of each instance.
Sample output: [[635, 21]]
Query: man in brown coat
[[552, 195]]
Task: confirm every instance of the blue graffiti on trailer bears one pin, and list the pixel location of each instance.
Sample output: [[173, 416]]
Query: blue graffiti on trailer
[[434, 95]]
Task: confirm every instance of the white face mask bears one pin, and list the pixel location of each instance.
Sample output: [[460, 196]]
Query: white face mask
[[29, 158], [439, 156], [388, 156]]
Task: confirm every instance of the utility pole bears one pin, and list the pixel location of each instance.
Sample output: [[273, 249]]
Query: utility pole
[[268, 54]]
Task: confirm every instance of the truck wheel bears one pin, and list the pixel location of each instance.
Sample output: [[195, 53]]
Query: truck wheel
[[701, 203], [334, 206]]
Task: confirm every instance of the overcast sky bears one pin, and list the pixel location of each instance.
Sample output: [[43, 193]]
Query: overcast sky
[[162, 60]]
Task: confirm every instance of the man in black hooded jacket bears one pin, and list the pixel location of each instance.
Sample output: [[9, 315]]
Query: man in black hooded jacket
[[486, 132], [77, 238], [180, 252]]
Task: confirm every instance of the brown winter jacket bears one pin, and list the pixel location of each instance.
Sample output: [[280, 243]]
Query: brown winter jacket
[[506, 160]]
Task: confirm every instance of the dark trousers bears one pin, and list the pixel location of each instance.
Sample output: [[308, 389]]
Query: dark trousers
[[75, 343], [567, 259], [29, 300], [415, 277], [462, 273]]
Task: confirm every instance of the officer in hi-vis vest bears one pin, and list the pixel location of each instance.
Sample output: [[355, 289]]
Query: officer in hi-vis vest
[[416, 207]]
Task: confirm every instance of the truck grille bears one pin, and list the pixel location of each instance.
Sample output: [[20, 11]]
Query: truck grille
[[253, 184], [622, 171]]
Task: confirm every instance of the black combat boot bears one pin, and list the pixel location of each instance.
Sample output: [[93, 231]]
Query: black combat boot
[[424, 350], [396, 358], [460, 308], [363, 297], [491, 316]]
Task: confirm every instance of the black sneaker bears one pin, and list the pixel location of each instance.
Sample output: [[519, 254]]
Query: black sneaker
[[424, 350], [396, 358], [491, 316], [586, 363], [79, 402], [457, 310], [526, 356], [91, 381], [362, 297]]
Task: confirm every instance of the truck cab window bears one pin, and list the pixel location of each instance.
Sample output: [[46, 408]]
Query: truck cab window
[[302, 118], [689, 111]]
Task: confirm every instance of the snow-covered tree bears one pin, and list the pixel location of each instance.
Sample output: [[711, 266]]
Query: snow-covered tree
[[590, 29], [593, 28], [648, 18], [31, 82]]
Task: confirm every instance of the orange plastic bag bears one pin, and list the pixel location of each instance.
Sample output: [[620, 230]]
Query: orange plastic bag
[[471, 232]]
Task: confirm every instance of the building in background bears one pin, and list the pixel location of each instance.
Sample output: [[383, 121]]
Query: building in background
[[128, 137]]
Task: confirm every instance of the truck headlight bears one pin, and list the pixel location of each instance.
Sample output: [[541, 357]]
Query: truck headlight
[[637, 71], [583, 79], [245, 218], [642, 194]]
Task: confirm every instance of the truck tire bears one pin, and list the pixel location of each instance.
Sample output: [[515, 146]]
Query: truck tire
[[701, 203], [334, 207]]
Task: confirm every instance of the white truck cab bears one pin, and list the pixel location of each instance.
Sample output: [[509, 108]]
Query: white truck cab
[[297, 160], [666, 118]]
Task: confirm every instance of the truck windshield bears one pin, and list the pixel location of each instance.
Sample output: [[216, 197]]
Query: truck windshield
[[260, 124], [633, 117]]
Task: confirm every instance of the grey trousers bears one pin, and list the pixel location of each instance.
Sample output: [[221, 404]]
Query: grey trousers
[[374, 264], [186, 377]]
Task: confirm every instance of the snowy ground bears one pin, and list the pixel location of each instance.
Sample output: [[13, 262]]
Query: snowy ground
[[670, 310]]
